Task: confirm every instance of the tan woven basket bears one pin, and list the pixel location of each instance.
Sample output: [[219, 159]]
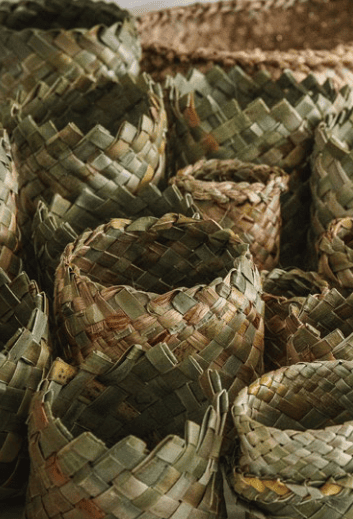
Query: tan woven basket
[[294, 430], [10, 236], [45, 40], [66, 141], [24, 360], [152, 269], [83, 464], [253, 34], [251, 209], [219, 115]]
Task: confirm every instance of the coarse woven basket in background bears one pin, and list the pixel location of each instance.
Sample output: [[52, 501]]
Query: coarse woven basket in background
[[65, 141], [293, 282], [45, 40], [335, 254], [226, 116], [138, 282], [82, 470], [295, 435], [239, 202], [24, 360], [10, 236]]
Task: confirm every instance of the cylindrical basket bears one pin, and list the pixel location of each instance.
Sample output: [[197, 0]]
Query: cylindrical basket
[[229, 192], [295, 436], [179, 280]]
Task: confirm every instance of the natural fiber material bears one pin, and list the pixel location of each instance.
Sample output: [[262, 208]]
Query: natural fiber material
[[219, 115], [160, 60], [45, 40], [111, 136], [81, 468], [221, 319], [335, 254], [294, 428], [293, 283], [24, 360], [331, 181], [10, 237], [249, 208]]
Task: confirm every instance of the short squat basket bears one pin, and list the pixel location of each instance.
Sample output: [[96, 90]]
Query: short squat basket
[[179, 280], [100, 445], [24, 360], [75, 40], [294, 436], [229, 192]]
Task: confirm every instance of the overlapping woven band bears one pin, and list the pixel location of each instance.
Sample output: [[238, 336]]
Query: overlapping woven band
[[45, 40], [10, 236], [308, 328], [67, 141], [140, 282], [24, 360], [238, 202], [295, 437], [101, 445], [220, 115], [293, 282]]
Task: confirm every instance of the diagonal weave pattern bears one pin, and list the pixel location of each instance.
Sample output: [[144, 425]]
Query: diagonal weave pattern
[[45, 40], [295, 441], [250, 209], [76, 473]]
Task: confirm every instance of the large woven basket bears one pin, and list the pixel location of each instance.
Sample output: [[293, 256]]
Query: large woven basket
[[238, 202], [24, 360], [104, 443], [139, 282], [253, 34], [66, 141], [294, 438], [10, 236], [45, 40], [219, 115]]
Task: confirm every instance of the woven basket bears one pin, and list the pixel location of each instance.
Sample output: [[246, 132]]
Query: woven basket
[[334, 249], [249, 208], [42, 40], [24, 360], [293, 283], [252, 34], [294, 430], [53, 228], [219, 115], [83, 464], [331, 181], [220, 320], [66, 141], [10, 236]]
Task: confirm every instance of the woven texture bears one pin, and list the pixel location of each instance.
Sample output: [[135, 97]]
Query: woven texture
[[24, 360], [221, 319], [293, 283], [295, 440], [10, 236], [219, 115], [45, 40], [80, 469], [250, 209], [111, 136]]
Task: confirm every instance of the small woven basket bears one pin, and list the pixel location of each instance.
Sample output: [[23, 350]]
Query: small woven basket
[[66, 141], [219, 115], [139, 282], [24, 360], [249, 208], [10, 236], [294, 438], [43, 40], [87, 455]]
